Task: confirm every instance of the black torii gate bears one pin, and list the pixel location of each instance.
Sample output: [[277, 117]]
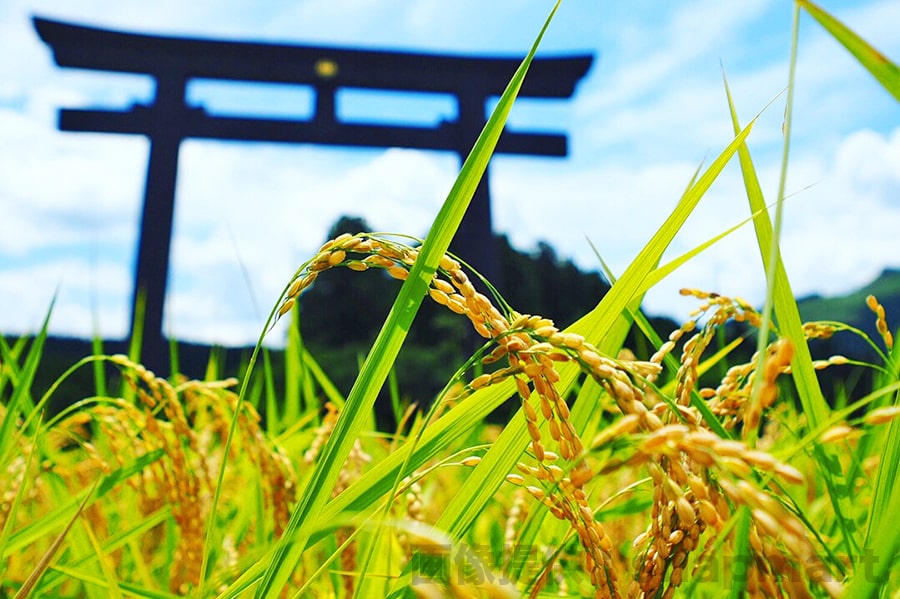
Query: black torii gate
[[168, 120]]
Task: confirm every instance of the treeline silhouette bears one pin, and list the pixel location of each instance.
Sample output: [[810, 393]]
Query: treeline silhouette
[[341, 314]]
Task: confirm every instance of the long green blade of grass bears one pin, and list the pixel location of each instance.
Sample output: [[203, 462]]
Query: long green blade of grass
[[781, 298], [387, 344], [779, 293], [44, 562], [878, 555], [9, 361], [880, 551], [103, 559], [742, 555], [885, 71], [17, 501], [99, 370], [814, 404], [21, 402], [294, 371]]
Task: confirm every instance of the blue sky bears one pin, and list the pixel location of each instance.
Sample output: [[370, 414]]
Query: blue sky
[[650, 110]]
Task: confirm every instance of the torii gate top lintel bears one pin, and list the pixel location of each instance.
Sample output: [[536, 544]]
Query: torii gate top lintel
[[102, 49]]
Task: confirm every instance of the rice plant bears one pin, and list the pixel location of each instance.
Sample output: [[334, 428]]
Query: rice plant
[[615, 477]]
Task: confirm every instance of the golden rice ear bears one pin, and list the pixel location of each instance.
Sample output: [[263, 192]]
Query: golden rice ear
[[882, 415], [881, 321]]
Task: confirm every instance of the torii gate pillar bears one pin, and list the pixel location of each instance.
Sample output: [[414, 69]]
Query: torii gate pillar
[[157, 218]]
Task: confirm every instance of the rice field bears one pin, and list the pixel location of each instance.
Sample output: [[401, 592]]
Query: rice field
[[689, 473]]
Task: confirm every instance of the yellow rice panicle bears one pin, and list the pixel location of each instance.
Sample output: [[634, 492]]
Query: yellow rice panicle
[[880, 321]]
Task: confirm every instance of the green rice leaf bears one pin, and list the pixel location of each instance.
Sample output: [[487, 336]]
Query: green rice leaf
[[21, 402], [885, 71], [18, 500], [788, 314], [790, 325], [55, 546], [742, 555], [133, 590]]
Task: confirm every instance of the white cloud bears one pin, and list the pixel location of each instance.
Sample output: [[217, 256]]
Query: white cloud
[[840, 221], [870, 163], [841, 232], [837, 234], [874, 21], [57, 188], [81, 287]]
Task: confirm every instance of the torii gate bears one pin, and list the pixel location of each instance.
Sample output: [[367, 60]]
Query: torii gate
[[168, 120]]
